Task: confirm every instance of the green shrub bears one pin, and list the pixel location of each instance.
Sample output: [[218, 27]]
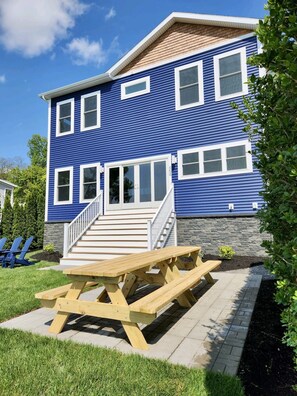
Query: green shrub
[[50, 248], [7, 219], [226, 252]]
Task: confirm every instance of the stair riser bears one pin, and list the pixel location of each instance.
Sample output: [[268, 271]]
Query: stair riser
[[112, 244], [107, 238], [120, 221], [94, 257], [119, 227], [143, 217], [111, 250], [114, 233]]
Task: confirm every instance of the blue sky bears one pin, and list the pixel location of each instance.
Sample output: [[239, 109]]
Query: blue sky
[[45, 44]]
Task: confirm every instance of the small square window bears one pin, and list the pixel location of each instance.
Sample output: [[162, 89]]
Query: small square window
[[189, 86]]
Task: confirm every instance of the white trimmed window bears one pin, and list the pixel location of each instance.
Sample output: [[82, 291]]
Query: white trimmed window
[[134, 88], [189, 85], [65, 117], [89, 182], [63, 185], [216, 160], [230, 72], [90, 111]]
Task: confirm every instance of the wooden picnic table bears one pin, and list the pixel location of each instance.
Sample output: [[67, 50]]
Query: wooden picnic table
[[131, 270]]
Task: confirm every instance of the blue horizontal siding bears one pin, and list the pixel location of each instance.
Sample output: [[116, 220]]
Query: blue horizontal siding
[[149, 125]]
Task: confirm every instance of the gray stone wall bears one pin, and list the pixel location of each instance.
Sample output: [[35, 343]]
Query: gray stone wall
[[242, 233], [54, 233]]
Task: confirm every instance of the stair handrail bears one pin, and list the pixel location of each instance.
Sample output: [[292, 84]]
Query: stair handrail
[[156, 226], [74, 230]]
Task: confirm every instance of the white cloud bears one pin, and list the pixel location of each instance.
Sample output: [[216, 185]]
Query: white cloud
[[111, 14], [84, 52], [2, 79], [31, 27]]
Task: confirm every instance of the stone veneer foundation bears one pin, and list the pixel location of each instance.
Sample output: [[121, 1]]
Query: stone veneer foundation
[[54, 233], [240, 232]]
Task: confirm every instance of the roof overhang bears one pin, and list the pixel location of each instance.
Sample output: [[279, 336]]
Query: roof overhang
[[182, 17], [7, 183], [83, 84]]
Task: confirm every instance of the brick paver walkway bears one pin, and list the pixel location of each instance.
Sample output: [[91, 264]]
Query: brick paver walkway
[[209, 335]]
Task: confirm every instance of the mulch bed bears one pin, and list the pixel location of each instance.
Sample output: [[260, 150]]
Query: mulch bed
[[45, 256], [237, 262], [266, 366]]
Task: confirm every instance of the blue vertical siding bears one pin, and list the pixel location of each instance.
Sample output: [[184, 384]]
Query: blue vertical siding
[[149, 125]]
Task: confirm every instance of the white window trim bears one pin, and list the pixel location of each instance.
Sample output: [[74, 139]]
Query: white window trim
[[224, 172], [58, 105], [57, 170], [147, 89], [243, 64], [199, 64], [82, 111], [81, 178]]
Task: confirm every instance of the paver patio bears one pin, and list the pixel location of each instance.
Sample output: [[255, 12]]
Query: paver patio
[[209, 335]]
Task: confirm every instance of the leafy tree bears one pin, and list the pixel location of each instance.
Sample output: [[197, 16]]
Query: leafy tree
[[37, 150], [7, 219], [19, 220], [271, 115]]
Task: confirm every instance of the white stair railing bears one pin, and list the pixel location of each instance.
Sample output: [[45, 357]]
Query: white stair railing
[[74, 230], [155, 227]]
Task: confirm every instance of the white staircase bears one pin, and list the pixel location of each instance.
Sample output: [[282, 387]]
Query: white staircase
[[112, 235]]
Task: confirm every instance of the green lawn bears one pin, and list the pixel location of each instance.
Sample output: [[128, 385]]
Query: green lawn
[[34, 365]]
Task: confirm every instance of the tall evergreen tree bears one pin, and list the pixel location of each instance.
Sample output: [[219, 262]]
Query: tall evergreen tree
[[7, 219], [31, 217], [19, 220]]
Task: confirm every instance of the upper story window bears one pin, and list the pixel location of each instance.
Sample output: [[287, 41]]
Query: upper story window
[[90, 111], [89, 182], [65, 117], [230, 74], [216, 160], [189, 85], [136, 87], [63, 186]]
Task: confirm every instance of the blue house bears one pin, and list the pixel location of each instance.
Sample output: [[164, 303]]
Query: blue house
[[151, 153]]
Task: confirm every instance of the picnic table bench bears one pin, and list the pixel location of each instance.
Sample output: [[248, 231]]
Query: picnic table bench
[[133, 270]]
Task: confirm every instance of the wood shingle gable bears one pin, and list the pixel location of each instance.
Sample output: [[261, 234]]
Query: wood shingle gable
[[182, 38]]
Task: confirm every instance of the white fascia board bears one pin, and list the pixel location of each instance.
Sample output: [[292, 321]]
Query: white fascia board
[[202, 19], [7, 183], [83, 84]]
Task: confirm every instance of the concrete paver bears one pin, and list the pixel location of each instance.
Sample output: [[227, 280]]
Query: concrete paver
[[210, 335]]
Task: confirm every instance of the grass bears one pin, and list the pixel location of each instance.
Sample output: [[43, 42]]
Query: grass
[[18, 287], [35, 365]]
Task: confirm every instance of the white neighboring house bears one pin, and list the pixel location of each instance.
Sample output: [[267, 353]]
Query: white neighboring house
[[5, 186]]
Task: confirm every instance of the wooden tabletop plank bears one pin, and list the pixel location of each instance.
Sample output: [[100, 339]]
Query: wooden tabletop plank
[[122, 265]]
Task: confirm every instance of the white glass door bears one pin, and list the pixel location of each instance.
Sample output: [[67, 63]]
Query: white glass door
[[137, 184]]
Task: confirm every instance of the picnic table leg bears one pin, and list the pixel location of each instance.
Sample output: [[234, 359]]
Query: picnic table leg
[[130, 285], [132, 330], [197, 262], [61, 317], [171, 272]]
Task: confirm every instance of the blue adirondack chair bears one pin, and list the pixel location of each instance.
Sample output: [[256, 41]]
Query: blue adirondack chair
[[9, 253], [12, 260], [2, 243]]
